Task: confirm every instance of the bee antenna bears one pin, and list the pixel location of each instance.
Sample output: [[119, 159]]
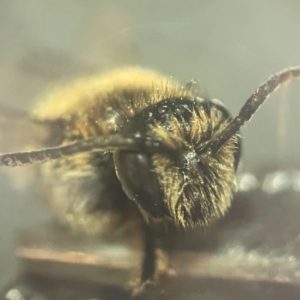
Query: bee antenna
[[252, 105], [101, 144]]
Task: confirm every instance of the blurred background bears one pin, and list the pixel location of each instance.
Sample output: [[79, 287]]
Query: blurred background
[[230, 46]]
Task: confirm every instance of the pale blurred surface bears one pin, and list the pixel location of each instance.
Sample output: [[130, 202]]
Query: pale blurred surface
[[230, 46]]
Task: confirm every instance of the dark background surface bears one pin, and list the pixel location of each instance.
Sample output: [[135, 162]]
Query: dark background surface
[[230, 46]]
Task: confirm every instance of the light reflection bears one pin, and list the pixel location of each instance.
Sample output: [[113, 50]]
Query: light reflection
[[277, 182], [247, 182], [272, 183]]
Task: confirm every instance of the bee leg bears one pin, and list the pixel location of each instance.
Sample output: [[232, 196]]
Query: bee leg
[[155, 263], [148, 268], [149, 261]]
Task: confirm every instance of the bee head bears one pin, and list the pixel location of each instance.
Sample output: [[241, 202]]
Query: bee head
[[187, 184]]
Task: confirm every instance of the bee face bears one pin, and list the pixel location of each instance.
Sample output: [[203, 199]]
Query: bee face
[[185, 184]]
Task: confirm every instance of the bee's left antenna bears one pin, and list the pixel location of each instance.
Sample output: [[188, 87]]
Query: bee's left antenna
[[252, 105]]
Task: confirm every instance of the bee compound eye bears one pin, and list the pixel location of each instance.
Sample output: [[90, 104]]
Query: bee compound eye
[[140, 182]]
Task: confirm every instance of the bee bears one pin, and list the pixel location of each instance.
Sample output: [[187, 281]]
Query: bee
[[135, 147]]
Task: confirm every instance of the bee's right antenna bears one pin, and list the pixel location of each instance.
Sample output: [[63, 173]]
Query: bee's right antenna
[[53, 153], [252, 105], [100, 144]]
